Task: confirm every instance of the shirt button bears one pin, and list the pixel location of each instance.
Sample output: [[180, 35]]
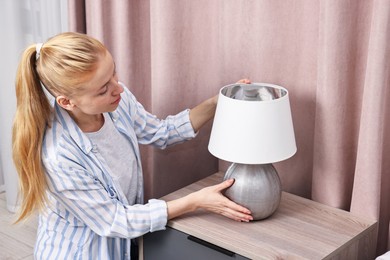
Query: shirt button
[[94, 148]]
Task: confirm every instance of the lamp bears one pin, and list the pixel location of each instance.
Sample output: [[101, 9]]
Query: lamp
[[253, 128]]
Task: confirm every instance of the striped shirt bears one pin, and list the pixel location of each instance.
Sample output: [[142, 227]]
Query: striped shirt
[[88, 215]]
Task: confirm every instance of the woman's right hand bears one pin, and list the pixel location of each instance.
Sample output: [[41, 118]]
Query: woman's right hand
[[212, 199]]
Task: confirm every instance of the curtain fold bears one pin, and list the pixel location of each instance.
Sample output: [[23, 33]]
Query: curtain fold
[[333, 56], [371, 191], [351, 168], [342, 55]]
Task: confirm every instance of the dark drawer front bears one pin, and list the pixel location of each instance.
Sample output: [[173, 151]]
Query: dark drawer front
[[171, 244]]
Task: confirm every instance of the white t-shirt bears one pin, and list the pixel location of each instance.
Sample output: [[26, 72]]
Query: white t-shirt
[[119, 155]]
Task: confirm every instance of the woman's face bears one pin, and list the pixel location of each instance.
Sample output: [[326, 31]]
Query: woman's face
[[101, 93]]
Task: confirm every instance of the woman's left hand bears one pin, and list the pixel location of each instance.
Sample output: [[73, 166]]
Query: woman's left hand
[[245, 81]]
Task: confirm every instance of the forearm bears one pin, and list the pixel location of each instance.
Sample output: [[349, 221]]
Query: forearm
[[181, 206], [202, 113]]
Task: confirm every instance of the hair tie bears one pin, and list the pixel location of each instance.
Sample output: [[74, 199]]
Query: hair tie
[[38, 48]]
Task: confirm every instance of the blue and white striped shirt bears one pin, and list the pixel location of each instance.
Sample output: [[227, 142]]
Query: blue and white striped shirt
[[88, 215]]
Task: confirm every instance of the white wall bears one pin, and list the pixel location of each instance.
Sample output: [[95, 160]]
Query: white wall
[[22, 22]]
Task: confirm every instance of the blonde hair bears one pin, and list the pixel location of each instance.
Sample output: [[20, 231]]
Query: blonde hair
[[64, 63]]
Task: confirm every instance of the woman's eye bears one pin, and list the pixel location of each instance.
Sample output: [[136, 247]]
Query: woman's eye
[[104, 91]]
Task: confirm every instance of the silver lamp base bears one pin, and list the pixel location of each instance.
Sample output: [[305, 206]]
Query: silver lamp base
[[256, 187]]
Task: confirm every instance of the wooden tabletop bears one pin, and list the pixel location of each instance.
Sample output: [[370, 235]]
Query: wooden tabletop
[[299, 229]]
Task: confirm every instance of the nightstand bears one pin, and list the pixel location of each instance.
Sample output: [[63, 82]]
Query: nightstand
[[299, 229]]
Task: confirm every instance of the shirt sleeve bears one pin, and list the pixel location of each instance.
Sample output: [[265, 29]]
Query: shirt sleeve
[[149, 129], [98, 207]]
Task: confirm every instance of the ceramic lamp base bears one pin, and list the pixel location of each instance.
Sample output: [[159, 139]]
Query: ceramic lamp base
[[256, 187]]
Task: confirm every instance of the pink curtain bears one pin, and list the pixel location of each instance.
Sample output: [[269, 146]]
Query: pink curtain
[[333, 56]]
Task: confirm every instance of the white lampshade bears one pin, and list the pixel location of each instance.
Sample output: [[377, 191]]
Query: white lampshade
[[253, 124]]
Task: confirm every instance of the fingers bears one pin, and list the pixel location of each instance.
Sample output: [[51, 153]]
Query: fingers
[[245, 81], [224, 185], [213, 200], [235, 211], [237, 215], [231, 209], [234, 206]]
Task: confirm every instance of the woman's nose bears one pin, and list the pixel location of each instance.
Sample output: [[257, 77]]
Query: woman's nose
[[118, 88]]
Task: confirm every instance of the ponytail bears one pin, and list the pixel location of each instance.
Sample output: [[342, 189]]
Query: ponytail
[[32, 116], [63, 65]]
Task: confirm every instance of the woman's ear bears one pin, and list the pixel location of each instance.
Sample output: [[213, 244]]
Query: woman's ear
[[65, 103]]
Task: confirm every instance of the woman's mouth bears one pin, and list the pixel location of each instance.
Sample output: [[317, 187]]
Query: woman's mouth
[[116, 101]]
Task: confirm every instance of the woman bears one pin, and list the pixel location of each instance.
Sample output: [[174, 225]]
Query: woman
[[75, 147]]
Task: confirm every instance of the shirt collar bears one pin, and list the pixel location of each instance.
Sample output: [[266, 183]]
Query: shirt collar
[[72, 128]]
